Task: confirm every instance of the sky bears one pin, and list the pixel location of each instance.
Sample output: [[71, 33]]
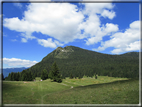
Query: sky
[[33, 30]]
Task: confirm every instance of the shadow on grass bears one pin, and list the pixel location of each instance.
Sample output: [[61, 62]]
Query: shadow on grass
[[105, 84], [9, 86]]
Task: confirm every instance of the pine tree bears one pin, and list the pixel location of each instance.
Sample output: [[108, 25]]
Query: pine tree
[[71, 76], [15, 77], [24, 76], [9, 76], [29, 74], [12, 76], [54, 73], [79, 77], [44, 74], [33, 76], [51, 75]]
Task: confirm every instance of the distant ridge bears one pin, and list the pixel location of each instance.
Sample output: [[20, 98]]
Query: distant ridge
[[78, 61], [6, 71]]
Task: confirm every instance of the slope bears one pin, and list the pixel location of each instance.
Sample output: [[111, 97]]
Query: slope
[[79, 62]]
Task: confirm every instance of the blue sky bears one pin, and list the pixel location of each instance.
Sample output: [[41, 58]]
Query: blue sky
[[33, 30]]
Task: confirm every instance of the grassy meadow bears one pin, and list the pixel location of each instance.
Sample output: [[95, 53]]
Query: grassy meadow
[[103, 90]]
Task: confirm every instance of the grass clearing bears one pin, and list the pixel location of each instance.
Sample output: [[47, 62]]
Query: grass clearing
[[104, 90]]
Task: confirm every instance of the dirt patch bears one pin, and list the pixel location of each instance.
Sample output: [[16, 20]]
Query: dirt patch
[[64, 84], [26, 82]]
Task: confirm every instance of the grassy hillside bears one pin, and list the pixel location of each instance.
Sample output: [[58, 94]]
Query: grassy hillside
[[82, 62], [104, 90]]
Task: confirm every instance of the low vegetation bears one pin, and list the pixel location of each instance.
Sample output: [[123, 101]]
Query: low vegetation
[[103, 90]]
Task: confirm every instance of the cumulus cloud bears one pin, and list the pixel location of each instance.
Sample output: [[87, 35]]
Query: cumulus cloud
[[60, 22], [93, 30], [12, 62], [129, 40], [63, 23], [93, 8], [110, 28], [109, 14], [101, 32], [49, 43], [27, 36]]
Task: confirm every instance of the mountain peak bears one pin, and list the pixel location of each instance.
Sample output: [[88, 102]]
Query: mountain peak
[[63, 52]]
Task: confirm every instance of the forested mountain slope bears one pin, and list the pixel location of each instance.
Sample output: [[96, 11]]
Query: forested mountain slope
[[77, 61]]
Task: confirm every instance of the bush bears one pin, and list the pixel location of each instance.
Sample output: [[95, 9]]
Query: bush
[[59, 80]]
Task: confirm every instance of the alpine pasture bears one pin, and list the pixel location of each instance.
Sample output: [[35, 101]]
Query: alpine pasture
[[103, 90]]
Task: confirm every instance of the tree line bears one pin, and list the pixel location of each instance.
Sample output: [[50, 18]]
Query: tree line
[[25, 75], [20, 76], [83, 62]]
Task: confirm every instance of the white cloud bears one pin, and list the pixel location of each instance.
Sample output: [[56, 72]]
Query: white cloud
[[93, 8], [110, 28], [49, 43], [63, 23], [23, 40], [133, 46], [101, 32], [109, 14], [124, 41], [60, 22], [26, 36], [93, 30], [12, 62], [93, 40], [135, 25]]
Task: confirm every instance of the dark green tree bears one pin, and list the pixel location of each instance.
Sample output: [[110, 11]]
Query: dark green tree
[[79, 77], [18, 76], [15, 76], [51, 75], [24, 76], [33, 76], [44, 74], [71, 76], [12, 76], [54, 73]]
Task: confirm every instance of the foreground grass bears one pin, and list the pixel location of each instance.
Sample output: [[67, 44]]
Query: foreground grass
[[104, 90], [119, 92]]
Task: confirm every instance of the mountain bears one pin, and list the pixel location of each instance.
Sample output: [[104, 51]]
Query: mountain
[[6, 71], [131, 54], [77, 61]]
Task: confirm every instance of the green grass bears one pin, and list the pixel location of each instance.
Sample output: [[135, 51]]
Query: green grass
[[104, 90]]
